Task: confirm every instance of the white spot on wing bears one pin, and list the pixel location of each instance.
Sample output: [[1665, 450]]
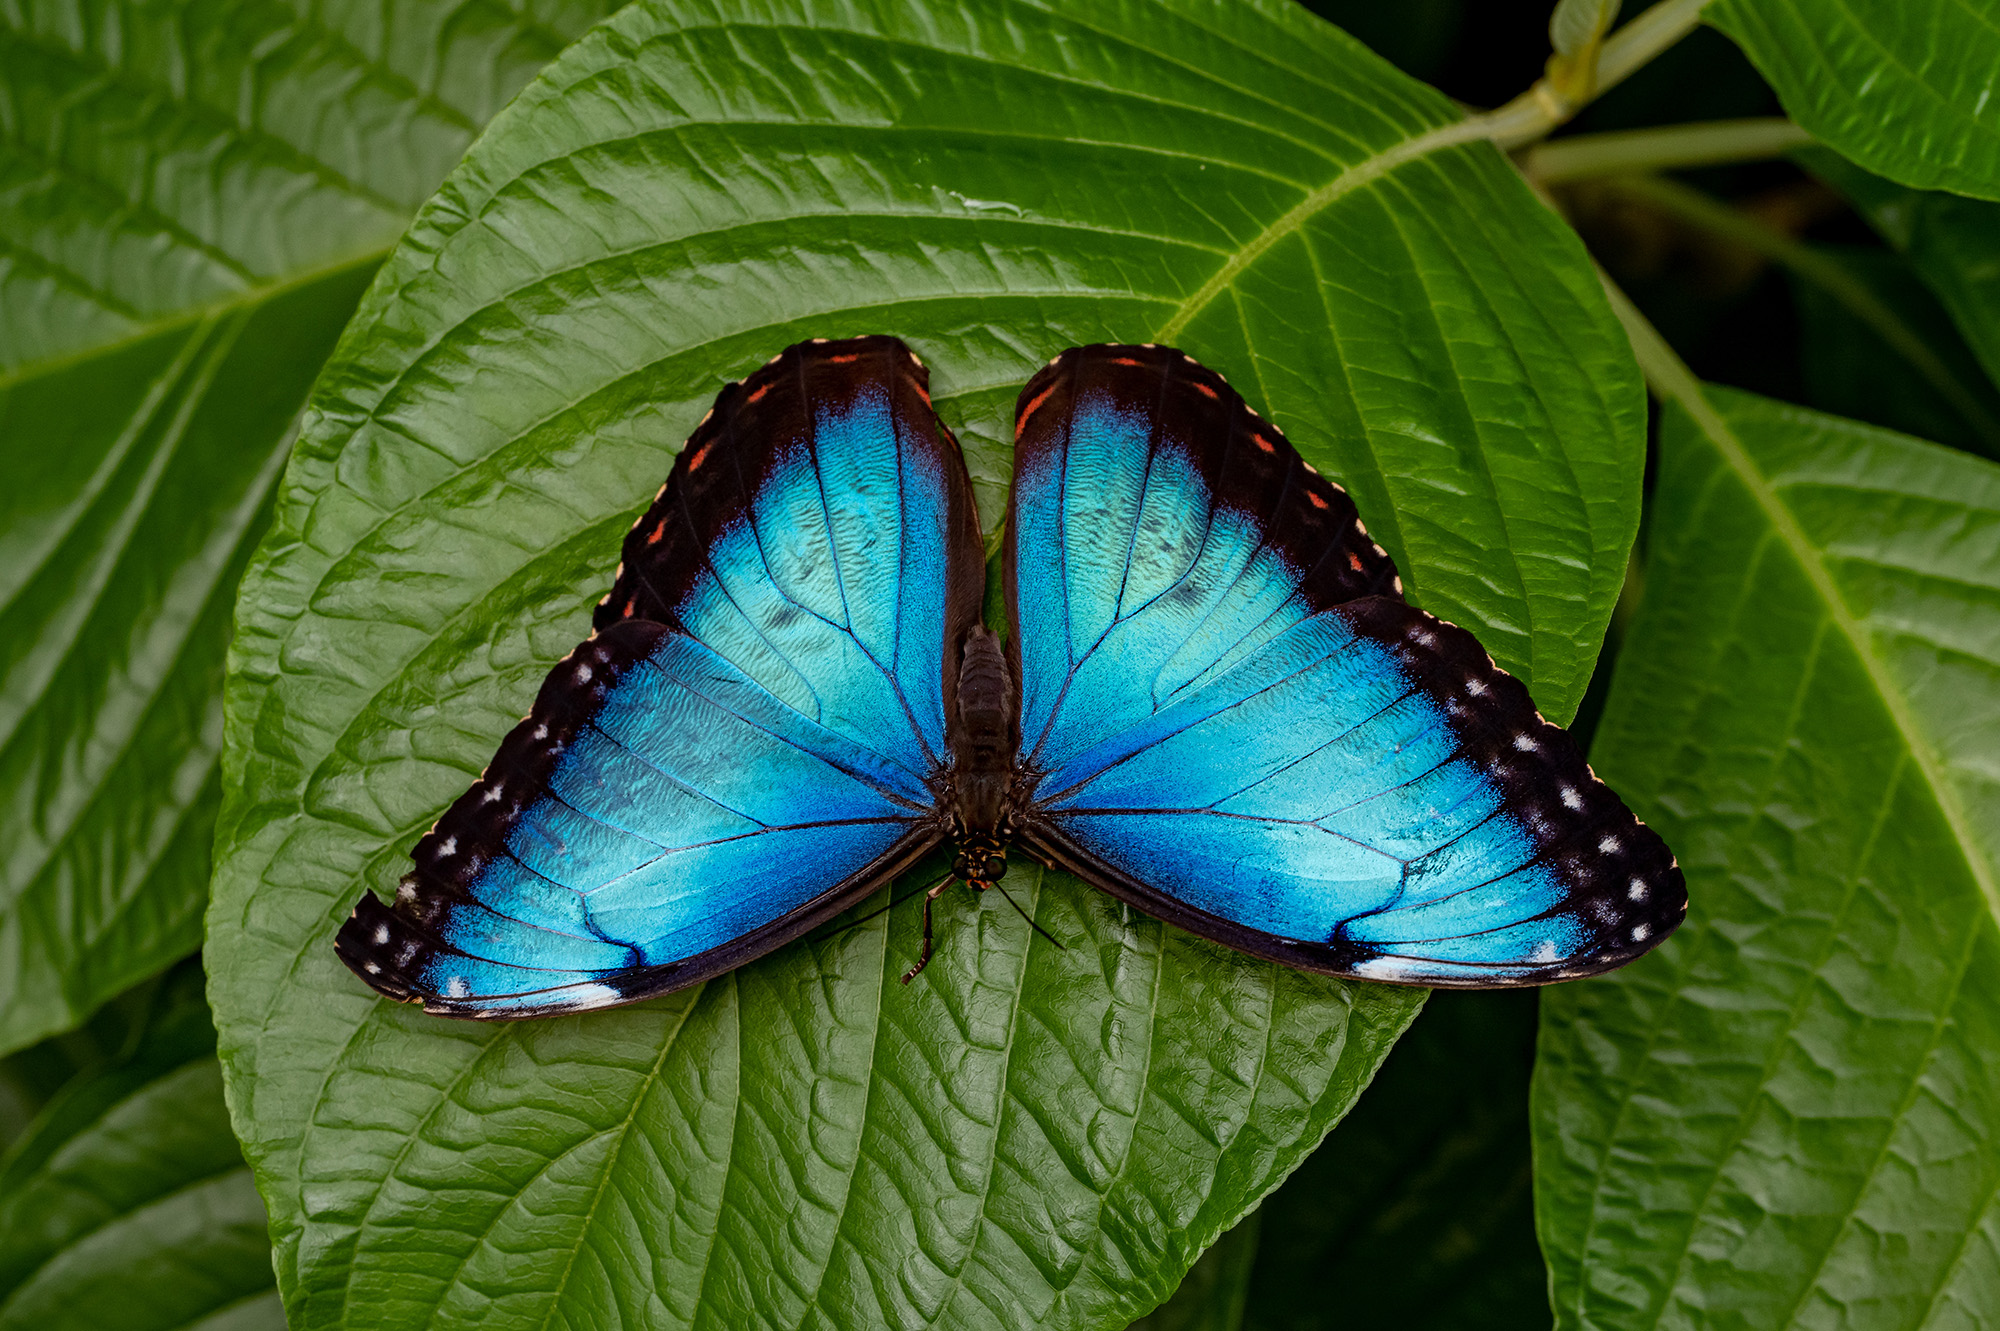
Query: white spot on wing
[[1544, 953], [1571, 798], [1638, 890], [1380, 968], [457, 987], [1640, 933], [381, 935]]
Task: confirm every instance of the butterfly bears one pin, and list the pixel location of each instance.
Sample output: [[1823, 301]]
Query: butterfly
[[1210, 699]]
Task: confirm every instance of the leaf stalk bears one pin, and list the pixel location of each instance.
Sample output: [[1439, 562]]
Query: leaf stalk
[[1552, 101], [1665, 148]]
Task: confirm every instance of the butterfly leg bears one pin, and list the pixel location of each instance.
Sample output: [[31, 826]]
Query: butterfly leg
[[924, 957]]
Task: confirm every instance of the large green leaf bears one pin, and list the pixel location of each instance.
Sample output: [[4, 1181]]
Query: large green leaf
[[1787, 1115], [162, 159], [1027, 1135], [123, 531], [128, 1204], [192, 195], [1904, 87]]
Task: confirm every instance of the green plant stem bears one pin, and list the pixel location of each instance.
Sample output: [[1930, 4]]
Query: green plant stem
[[1541, 108], [1691, 205], [1669, 147]]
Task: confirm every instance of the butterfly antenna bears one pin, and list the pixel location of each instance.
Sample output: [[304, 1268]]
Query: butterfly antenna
[[1031, 920], [838, 930]]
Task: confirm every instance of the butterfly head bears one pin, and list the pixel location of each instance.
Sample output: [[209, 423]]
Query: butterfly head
[[982, 859]]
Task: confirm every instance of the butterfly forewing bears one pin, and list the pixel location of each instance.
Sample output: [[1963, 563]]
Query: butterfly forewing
[[1232, 720], [750, 740]]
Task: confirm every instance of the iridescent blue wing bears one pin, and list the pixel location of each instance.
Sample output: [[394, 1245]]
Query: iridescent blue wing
[[1232, 720], [748, 742]]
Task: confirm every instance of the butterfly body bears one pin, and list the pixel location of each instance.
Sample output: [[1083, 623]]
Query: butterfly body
[[983, 775], [1211, 701]]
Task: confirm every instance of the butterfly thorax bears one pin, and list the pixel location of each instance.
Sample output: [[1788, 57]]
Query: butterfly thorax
[[983, 745]]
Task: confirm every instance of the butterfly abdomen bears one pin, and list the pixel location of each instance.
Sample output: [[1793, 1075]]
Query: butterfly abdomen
[[985, 737]]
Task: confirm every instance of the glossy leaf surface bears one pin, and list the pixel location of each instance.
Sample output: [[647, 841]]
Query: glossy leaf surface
[[1785, 1116], [192, 196], [1026, 1136], [127, 1204], [1904, 87]]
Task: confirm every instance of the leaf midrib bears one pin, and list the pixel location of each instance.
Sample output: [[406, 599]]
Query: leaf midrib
[[1688, 392], [190, 318], [1470, 130]]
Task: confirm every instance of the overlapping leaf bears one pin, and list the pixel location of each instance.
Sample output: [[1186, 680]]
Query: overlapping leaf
[[1904, 87], [1952, 242], [1786, 1116], [127, 1203], [1878, 347], [1027, 1136], [1416, 1212], [164, 159], [123, 532], [192, 195]]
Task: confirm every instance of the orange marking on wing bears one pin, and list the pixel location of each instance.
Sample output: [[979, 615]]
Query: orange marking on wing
[[1264, 443], [1034, 403], [922, 392], [631, 608], [758, 392], [1354, 561], [659, 530], [1123, 360], [1317, 500], [701, 454], [843, 359], [1205, 390]]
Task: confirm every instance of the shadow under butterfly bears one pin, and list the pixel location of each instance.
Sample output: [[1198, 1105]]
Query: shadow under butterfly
[[1210, 700]]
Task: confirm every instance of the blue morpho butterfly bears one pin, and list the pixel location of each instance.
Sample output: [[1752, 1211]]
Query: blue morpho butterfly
[[1211, 701]]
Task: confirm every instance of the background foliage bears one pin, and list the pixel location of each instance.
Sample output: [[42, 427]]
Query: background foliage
[[1783, 1117], [1031, 1135]]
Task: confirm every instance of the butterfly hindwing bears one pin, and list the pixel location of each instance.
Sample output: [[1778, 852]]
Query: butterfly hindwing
[[748, 742], [1232, 720]]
